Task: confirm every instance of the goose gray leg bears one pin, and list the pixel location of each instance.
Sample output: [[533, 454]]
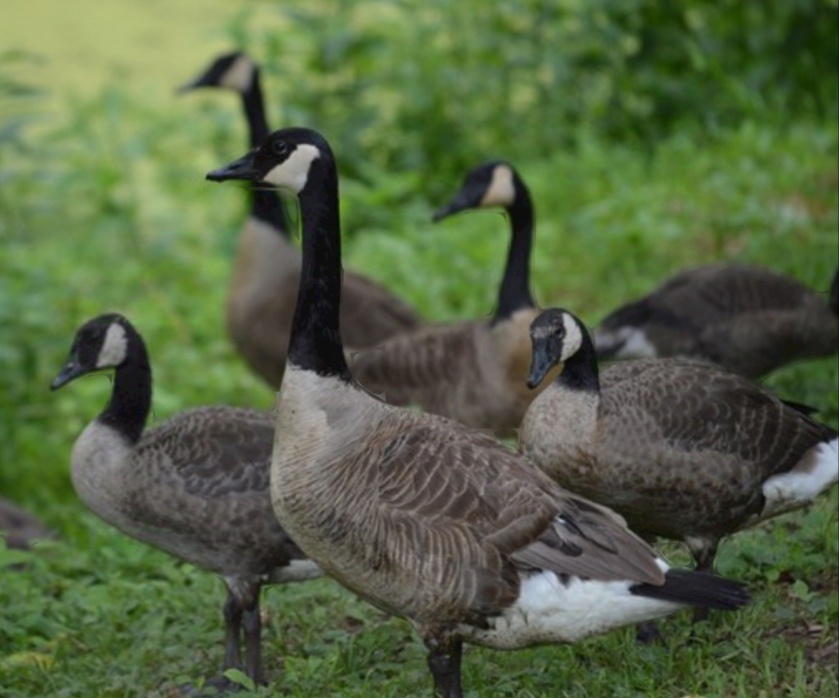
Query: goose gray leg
[[233, 612], [444, 655], [253, 639], [704, 551], [232, 632]]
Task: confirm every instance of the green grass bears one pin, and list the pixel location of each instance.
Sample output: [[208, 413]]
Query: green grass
[[97, 614], [105, 208]]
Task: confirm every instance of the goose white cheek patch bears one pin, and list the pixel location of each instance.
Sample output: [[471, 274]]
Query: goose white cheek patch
[[239, 75], [293, 172], [573, 337], [500, 191], [114, 348]]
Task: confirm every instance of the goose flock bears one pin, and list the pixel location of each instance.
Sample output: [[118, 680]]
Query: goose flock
[[381, 468]]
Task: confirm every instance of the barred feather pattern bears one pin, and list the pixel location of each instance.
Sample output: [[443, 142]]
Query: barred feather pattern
[[681, 449], [473, 372], [429, 520], [748, 319]]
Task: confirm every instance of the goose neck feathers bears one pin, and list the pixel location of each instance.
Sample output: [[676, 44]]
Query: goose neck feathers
[[301, 161], [514, 293]]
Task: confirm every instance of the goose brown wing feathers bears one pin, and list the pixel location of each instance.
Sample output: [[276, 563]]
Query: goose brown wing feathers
[[700, 411], [215, 451], [465, 479], [419, 360], [454, 505], [477, 514], [590, 542]]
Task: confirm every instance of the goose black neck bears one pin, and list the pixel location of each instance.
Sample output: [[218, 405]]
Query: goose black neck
[[255, 111], [580, 372], [514, 293], [315, 343], [130, 403], [833, 295], [266, 206]]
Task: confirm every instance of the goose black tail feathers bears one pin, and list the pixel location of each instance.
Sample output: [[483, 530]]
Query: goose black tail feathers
[[698, 589]]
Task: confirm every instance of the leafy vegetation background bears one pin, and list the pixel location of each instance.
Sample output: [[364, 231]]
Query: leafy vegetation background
[[653, 136]]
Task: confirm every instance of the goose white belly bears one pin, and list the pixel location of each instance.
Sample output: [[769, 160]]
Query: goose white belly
[[817, 470], [549, 611]]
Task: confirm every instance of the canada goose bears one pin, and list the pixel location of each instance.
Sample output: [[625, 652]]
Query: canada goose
[[681, 449], [419, 515], [748, 319], [194, 486], [263, 287], [473, 371], [19, 528]]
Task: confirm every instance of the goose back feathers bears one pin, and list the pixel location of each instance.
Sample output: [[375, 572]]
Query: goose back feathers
[[471, 371], [420, 515], [681, 449], [748, 319], [266, 272], [195, 486]]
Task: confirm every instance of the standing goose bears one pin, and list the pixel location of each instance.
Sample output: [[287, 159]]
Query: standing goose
[[748, 319], [472, 371], [681, 449], [194, 486], [420, 515], [266, 273]]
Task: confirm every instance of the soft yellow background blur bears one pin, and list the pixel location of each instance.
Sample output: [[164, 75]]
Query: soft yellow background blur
[[81, 45]]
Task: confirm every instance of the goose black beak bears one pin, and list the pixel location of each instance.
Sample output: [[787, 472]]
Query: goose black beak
[[457, 204], [188, 86], [469, 196], [543, 362], [72, 369], [238, 169]]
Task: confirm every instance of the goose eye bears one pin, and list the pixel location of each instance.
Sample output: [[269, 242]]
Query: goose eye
[[280, 148]]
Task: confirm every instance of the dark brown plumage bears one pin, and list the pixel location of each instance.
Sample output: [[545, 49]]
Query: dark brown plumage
[[266, 271], [194, 486], [748, 319], [420, 515], [681, 449]]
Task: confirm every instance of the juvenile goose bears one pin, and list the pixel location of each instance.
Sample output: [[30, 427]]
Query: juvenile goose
[[194, 486], [748, 319], [263, 287], [473, 371], [420, 515], [681, 449]]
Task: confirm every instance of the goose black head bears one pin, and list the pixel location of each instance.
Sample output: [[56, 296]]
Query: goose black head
[[556, 335], [232, 71], [284, 160], [99, 344], [491, 184]]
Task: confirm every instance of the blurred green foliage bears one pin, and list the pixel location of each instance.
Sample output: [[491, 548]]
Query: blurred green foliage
[[425, 85], [653, 136]]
